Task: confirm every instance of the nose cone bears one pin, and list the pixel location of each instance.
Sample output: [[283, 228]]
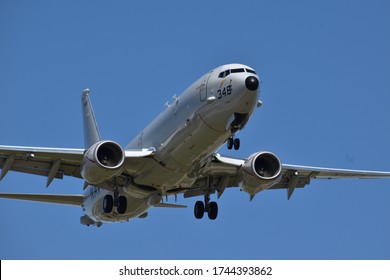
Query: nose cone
[[252, 83]]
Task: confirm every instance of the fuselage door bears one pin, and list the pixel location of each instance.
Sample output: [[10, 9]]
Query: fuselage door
[[203, 86]]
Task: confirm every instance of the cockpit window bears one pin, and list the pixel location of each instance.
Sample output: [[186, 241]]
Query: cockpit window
[[236, 70], [224, 74]]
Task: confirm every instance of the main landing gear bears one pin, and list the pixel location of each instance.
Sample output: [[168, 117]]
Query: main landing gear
[[210, 207], [233, 143], [120, 202]]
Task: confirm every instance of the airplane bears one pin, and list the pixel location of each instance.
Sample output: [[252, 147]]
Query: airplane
[[174, 155]]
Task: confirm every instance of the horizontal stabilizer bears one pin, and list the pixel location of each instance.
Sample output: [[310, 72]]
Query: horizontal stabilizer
[[169, 205], [76, 200]]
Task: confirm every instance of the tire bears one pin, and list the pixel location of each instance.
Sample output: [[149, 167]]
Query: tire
[[213, 210], [236, 144], [122, 205], [108, 203], [199, 209], [229, 143]]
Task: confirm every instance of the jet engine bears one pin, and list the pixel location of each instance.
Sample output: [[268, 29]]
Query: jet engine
[[103, 161], [260, 171]]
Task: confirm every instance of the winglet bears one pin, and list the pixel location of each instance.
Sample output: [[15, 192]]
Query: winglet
[[91, 131]]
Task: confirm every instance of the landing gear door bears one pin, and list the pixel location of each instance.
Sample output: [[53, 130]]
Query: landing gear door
[[203, 86]]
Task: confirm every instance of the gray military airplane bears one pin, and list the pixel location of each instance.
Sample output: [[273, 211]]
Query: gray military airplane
[[175, 154]]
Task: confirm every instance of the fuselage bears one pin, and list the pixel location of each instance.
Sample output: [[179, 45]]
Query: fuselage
[[184, 136]]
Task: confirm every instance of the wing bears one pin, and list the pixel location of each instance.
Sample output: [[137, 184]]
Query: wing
[[49, 162], [297, 176], [54, 162], [224, 172]]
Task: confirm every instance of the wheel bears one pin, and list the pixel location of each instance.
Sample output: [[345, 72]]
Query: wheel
[[199, 209], [236, 144], [108, 203], [213, 210], [230, 143], [122, 205]]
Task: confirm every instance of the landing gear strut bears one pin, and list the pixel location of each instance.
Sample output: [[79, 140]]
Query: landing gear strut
[[233, 143], [210, 207]]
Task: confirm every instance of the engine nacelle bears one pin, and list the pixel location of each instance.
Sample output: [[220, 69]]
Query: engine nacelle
[[103, 161], [260, 171]]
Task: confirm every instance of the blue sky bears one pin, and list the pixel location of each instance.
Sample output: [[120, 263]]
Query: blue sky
[[325, 69]]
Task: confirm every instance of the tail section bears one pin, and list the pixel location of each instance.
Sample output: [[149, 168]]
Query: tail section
[[91, 131]]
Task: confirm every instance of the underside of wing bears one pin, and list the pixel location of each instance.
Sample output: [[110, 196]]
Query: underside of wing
[[219, 173], [224, 172], [75, 200], [56, 162], [297, 176], [333, 173], [49, 162]]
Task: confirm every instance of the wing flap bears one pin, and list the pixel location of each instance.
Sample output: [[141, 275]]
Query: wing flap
[[40, 167]]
